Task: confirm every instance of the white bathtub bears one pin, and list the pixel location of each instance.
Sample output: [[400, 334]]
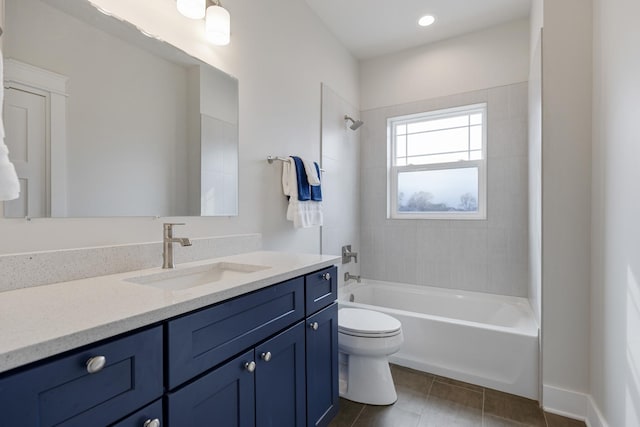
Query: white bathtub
[[484, 339]]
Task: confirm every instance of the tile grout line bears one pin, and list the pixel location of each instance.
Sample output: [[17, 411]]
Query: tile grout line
[[358, 416]]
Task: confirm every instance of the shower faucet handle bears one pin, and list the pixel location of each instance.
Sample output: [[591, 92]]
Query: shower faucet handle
[[347, 255]]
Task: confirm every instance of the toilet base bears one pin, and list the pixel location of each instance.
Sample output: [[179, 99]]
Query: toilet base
[[369, 381]]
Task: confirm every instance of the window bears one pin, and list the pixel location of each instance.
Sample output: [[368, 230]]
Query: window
[[437, 165]]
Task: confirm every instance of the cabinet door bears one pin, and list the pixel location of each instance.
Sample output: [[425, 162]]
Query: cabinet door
[[321, 289], [62, 392], [322, 366], [221, 398], [280, 380], [144, 417]]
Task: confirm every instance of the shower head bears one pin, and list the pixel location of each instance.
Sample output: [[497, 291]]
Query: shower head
[[355, 123]]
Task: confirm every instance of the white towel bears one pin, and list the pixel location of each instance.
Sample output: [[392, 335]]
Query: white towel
[[302, 214], [9, 184], [312, 173]]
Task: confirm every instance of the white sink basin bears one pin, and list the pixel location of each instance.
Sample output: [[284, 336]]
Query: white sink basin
[[186, 278]]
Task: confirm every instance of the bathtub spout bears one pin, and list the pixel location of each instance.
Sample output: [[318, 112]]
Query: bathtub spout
[[348, 277]]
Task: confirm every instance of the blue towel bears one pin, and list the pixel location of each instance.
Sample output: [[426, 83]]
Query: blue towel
[[304, 189], [306, 192], [316, 190]]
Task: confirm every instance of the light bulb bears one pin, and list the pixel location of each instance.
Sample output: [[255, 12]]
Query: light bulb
[[194, 9], [218, 25], [426, 20]]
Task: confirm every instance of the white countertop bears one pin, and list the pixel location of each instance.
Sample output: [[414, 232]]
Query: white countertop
[[46, 320]]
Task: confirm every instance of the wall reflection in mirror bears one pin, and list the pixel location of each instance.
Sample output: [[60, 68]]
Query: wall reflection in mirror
[[102, 120]]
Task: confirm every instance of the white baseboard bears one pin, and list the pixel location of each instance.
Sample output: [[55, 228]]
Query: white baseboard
[[594, 416], [572, 404]]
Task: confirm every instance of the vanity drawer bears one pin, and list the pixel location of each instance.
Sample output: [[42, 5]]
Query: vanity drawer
[[201, 340], [321, 289], [62, 392]]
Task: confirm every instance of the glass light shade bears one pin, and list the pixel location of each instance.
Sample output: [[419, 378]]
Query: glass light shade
[[194, 9], [218, 25]]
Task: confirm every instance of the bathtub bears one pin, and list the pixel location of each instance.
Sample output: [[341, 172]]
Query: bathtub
[[484, 339]]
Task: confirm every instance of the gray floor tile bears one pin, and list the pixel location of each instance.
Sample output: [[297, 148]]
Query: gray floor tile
[[386, 416], [513, 408], [450, 405], [349, 412], [554, 420]]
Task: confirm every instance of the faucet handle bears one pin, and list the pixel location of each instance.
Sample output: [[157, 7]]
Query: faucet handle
[[168, 226]]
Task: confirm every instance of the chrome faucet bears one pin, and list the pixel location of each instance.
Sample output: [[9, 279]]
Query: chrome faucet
[[347, 255], [348, 277], [167, 244]]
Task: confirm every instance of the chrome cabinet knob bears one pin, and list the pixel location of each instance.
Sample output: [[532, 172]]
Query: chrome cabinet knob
[[326, 276], [250, 366], [95, 364], [266, 356], [314, 326], [151, 423]]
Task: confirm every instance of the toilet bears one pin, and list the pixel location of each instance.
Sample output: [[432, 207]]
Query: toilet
[[365, 340]]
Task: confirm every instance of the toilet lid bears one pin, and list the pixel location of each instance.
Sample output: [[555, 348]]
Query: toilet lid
[[359, 322]]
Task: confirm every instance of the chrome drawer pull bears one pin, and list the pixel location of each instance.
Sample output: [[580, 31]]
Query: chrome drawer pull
[[266, 356], [152, 423], [314, 326], [250, 366], [326, 276], [95, 364]]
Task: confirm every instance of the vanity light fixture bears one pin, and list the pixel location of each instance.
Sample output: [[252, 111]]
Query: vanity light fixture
[[194, 9], [426, 20], [218, 24]]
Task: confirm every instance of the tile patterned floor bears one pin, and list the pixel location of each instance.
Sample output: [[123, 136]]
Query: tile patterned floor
[[426, 400]]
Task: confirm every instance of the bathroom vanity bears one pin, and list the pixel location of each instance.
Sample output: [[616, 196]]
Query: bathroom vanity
[[267, 356]]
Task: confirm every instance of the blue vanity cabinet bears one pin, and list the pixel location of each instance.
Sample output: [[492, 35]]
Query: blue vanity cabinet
[[263, 387], [268, 358], [62, 391], [322, 366], [321, 289]]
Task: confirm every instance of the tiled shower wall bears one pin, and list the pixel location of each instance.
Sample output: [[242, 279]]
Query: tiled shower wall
[[480, 255]]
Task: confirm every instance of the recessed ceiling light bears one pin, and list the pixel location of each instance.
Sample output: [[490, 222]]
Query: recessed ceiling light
[[426, 20]]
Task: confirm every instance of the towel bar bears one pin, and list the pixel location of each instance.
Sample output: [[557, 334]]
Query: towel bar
[[272, 159]]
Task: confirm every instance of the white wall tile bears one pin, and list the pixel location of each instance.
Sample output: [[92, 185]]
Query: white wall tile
[[482, 255]]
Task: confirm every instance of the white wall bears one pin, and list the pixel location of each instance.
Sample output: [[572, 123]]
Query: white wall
[[566, 176], [536, 21], [279, 73], [615, 258], [494, 57]]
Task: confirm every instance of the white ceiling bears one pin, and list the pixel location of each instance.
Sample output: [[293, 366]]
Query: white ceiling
[[370, 28]]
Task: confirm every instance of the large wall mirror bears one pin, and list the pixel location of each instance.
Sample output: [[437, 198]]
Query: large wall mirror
[[102, 120]]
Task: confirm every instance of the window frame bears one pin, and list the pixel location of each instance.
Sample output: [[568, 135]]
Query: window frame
[[393, 170]]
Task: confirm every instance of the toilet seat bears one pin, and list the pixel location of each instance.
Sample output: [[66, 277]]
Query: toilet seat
[[367, 323]]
